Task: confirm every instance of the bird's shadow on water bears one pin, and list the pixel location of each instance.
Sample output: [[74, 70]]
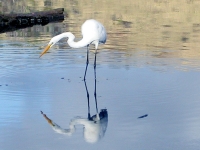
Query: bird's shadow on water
[[94, 126]]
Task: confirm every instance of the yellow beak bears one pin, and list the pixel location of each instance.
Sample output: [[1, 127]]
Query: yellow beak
[[45, 50], [49, 120]]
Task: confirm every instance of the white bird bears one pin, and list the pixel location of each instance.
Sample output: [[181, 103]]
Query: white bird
[[93, 32], [93, 130], [94, 127]]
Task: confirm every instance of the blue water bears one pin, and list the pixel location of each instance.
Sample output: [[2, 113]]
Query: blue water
[[169, 97], [147, 79]]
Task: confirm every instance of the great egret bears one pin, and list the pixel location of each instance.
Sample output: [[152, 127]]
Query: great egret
[[93, 32], [93, 130], [94, 126]]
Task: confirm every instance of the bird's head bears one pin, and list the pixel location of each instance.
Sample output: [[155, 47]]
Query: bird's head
[[54, 40]]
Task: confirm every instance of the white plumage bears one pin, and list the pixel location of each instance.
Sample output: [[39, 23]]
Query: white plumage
[[93, 32]]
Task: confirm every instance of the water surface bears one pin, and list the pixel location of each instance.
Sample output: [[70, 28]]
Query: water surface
[[147, 78]]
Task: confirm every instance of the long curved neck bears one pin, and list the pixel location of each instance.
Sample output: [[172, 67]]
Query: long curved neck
[[82, 43]]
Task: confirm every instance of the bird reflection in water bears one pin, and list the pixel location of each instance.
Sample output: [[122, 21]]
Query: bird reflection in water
[[94, 129], [94, 126]]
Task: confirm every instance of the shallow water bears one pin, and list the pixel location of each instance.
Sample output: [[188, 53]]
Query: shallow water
[[148, 83]]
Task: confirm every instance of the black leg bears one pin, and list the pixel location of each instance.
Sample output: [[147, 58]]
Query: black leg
[[88, 98], [95, 87], [87, 62], [95, 59], [95, 94]]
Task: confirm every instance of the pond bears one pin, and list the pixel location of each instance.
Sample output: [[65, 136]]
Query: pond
[[144, 89]]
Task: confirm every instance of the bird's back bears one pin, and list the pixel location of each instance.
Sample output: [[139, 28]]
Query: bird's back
[[93, 30]]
